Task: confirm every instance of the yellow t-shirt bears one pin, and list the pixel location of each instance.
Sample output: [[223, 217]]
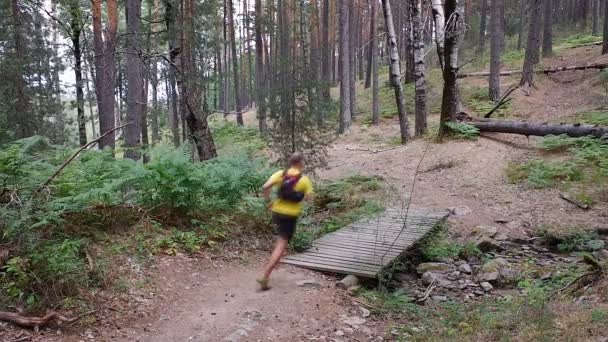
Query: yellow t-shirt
[[281, 206]]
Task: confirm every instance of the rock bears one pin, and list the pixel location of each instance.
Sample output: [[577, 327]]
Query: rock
[[602, 254], [446, 260], [439, 279], [364, 312], [487, 287], [454, 275], [309, 284], [488, 231], [465, 268], [434, 267], [439, 298], [595, 245], [486, 244], [339, 333], [354, 321], [461, 211], [546, 276], [492, 270]]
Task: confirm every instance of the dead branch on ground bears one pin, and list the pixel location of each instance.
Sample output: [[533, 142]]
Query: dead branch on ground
[[33, 322]]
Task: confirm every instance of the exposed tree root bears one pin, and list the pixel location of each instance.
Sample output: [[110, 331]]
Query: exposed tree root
[[33, 322]]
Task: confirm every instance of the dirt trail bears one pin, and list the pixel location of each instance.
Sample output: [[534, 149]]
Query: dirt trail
[[221, 303]]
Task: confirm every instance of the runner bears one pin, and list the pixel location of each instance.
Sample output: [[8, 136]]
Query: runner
[[293, 188]]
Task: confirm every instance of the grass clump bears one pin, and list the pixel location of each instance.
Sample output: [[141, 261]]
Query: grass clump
[[440, 245], [577, 39], [595, 117]]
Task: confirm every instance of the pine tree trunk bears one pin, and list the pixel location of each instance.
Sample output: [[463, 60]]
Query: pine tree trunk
[[374, 53], [394, 70], [454, 32], [259, 68], [594, 17], [106, 69], [420, 77], [605, 45], [495, 27], [235, 64], [520, 26], [135, 103], [532, 43], [372, 40], [20, 120], [170, 22], [548, 28], [315, 33], [326, 60], [82, 130], [91, 74], [345, 109], [195, 114], [408, 45], [154, 79], [352, 41], [59, 130], [483, 14], [439, 19]]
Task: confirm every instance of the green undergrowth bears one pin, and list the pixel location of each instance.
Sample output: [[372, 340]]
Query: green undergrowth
[[231, 138], [441, 245], [574, 40], [336, 204], [477, 100], [99, 204], [594, 117], [527, 312], [584, 167]]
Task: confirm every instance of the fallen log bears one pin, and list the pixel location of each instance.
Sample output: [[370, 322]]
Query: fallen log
[[541, 71], [33, 322], [587, 44], [533, 128]]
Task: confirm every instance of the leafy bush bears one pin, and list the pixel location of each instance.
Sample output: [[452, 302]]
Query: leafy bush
[[302, 239], [439, 246]]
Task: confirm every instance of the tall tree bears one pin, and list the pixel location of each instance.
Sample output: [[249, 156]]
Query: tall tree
[[520, 24], [135, 92], [483, 14], [532, 45], [235, 63], [352, 41], [548, 28], [171, 22], [345, 108], [496, 28], [259, 67], [195, 108], [104, 46], [21, 119], [605, 44], [326, 60], [394, 70], [454, 33], [374, 53], [595, 7], [372, 40], [439, 20], [420, 77]]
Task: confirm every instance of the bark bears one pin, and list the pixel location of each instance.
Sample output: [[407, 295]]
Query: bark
[[532, 43], [419, 75], [520, 26], [345, 109], [548, 28], [372, 40], [605, 45], [106, 69], [60, 123], [235, 63], [495, 27], [535, 129], [154, 78], [439, 19], [259, 68], [326, 69], [454, 33], [541, 71], [352, 41], [91, 73], [195, 113], [249, 58], [394, 70], [595, 7], [135, 101], [170, 22], [76, 31], [21, 119], [374, 53], [482, 24], [315, 33], [408, 46]]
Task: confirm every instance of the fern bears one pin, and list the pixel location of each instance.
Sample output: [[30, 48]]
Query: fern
[[462, 130]]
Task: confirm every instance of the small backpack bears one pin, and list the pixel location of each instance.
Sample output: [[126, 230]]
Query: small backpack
[[287, 189]]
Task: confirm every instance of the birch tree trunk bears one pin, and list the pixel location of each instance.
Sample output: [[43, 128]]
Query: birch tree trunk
[[454, 32], [394, 70], [495, 27], [135, 103], [439, 18], [419, 68], [345, 109]]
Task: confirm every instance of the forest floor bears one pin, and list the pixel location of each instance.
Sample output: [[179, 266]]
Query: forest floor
[[215, 298]]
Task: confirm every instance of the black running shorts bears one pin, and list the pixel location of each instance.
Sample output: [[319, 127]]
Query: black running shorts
[[285, 224]]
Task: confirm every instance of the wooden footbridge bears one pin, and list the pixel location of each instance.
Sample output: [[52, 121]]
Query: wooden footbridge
[[366, 247]]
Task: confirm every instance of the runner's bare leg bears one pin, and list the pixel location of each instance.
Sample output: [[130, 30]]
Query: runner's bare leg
[[277, 253]]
